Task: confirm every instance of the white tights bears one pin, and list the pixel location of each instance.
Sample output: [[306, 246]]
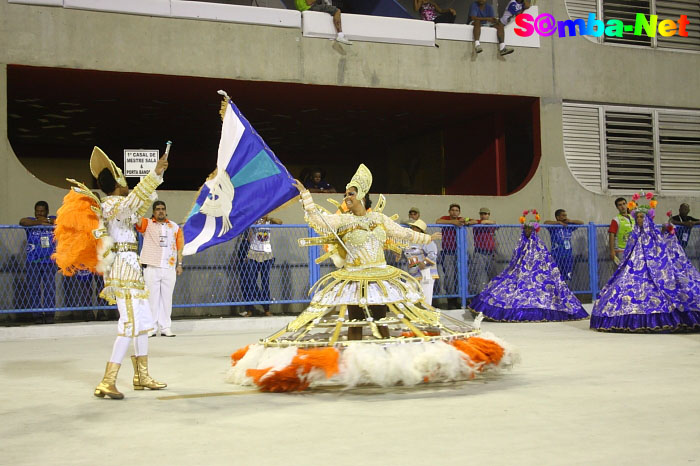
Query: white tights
[[121, 346]]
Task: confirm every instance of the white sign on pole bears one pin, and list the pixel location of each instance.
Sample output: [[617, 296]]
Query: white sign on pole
[[139, 162]]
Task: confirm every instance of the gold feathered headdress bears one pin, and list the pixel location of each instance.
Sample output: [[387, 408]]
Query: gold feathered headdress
[[362, 181], [99, 161]]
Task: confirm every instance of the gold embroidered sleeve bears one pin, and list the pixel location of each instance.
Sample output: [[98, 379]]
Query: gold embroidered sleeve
[[397, 232], [322, 223], [139, 199]]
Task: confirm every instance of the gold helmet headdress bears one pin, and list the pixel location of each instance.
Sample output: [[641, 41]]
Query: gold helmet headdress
[[362, 181], [99, 161]]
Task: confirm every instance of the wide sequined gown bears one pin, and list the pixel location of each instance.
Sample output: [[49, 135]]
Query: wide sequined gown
[[364, 279], [655, 288], [530, 289]]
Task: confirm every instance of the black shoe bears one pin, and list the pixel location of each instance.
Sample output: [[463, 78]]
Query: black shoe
[[506, 51]]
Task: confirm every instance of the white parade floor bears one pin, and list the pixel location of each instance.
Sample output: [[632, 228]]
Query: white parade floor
[[578, 397]]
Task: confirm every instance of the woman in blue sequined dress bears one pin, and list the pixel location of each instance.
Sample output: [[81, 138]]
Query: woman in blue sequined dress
[[530, 289], [655, 288]]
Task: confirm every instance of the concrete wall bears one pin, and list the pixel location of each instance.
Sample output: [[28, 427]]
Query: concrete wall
[[562, 69]]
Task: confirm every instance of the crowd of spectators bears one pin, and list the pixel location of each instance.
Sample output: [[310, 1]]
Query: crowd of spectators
[[435, 266], [481, 14]]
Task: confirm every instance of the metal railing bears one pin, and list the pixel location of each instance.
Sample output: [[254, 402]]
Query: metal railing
[[224, 275]]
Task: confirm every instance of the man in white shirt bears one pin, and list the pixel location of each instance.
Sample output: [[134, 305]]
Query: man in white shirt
[[161, 257]]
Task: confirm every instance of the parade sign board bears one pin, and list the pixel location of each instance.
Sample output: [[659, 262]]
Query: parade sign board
[[139, 162]]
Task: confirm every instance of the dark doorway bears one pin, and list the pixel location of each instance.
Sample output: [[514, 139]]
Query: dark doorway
[[405, 137]]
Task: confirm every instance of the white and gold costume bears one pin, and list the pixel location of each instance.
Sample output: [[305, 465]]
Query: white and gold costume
[[99, 236], [124, 284], [417, 344]]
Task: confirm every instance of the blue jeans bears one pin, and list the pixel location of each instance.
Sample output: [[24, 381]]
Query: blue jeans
[[251, 291]]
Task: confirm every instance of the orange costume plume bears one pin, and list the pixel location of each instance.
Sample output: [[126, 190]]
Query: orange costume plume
[[82, 242]]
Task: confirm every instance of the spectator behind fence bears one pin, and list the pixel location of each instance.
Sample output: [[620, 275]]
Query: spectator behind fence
[[619, 231], [482, 14], [413, 215], [430, 11], [258, 263], [161, 257], [513, 9], [324, 6], [40, 282], [316, 183], [685, 223], [448, 255], [422, 262], [561, 242], [484, 250]]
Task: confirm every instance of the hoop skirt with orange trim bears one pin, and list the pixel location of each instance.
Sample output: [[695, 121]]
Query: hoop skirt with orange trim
[[423, 345]]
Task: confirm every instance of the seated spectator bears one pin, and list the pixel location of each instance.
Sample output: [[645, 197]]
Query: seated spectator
[[40, 269], [482, 14], [430, 11], [316, 183], [685, 223], [324, 6], [561, 242], [514, 8]]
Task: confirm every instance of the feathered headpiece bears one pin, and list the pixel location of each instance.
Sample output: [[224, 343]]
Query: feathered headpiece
[[362, 181], [99, 161]]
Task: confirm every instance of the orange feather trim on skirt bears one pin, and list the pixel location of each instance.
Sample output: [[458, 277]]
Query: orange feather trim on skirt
[[294, 377], [479, 351], [238, 355]]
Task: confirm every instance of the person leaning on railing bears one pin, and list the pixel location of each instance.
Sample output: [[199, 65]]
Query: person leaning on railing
[[685, 223], [448, 254], [40, 269], [561, 242], [484, 250]]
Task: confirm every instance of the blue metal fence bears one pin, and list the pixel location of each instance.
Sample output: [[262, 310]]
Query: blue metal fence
[[225, 275]]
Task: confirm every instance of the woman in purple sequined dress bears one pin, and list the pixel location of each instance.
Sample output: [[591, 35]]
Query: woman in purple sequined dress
[[655, 288], [530, 289]]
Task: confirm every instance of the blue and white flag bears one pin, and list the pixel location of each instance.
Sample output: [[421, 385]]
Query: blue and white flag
[[250, 182]]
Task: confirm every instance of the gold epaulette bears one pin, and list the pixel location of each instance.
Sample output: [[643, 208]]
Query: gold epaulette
[[317, 240], [327, 255], [394, 217], [334, 202], [381, 203]]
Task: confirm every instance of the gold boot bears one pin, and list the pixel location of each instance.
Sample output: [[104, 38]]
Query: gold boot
[[108, 386], [141, 378]]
